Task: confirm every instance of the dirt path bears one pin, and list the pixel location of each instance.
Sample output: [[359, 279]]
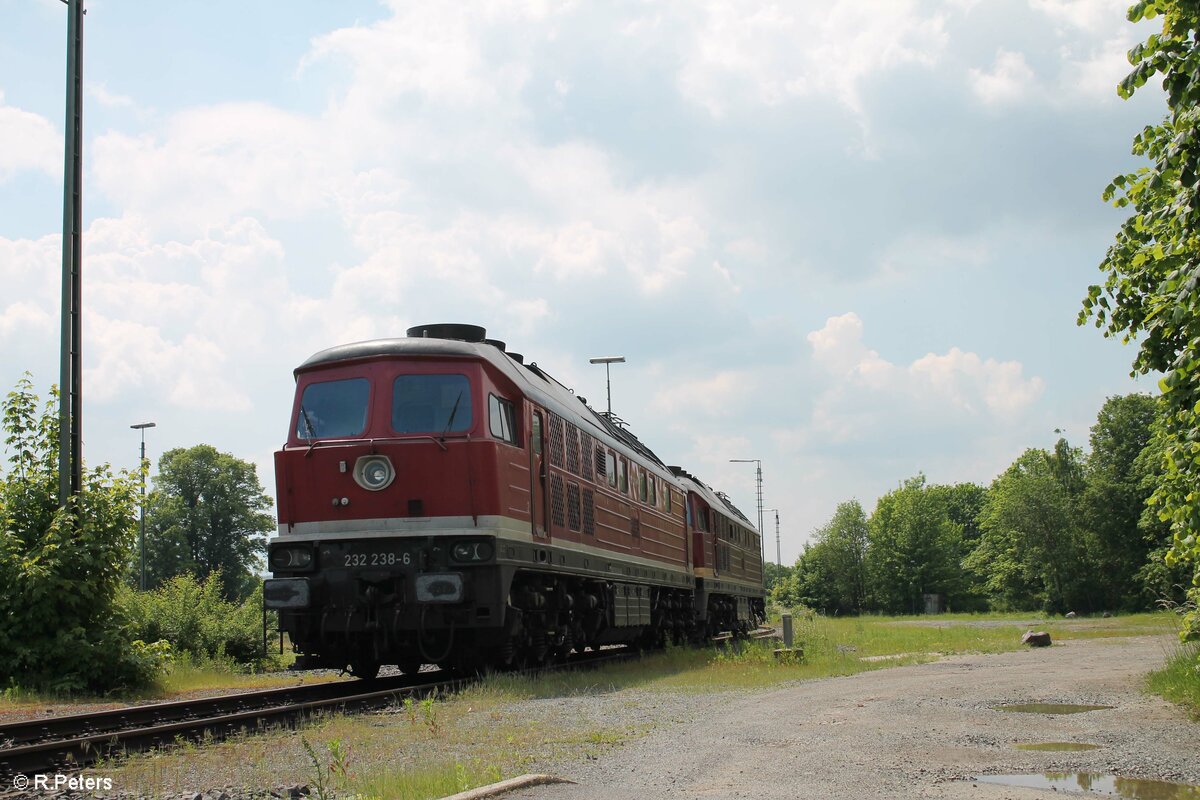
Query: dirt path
[[910, 732]]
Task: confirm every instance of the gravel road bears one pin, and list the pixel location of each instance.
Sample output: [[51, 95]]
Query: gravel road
[[908, 732]]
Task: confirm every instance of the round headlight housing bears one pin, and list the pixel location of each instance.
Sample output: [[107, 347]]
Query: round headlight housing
[[374, 473], [291, 558], [467, 552]]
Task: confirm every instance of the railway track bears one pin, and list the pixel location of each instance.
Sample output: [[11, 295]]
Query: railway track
[[75, 740]]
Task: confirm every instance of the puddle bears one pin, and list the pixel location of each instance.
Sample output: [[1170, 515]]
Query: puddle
[[1047, 708], [1059, 747], [1106, 785]]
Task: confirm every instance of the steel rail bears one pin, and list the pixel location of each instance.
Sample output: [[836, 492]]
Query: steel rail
[[95, 722], [84, 744]]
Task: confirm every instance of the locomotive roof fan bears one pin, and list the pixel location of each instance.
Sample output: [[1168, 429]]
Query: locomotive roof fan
[[450, 330]]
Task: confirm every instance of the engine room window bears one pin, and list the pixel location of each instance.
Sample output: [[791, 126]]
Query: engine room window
[[431, 404], [610, 468], [333, 409], [653, 492], [500, 419], [624, 478], [536, 434]]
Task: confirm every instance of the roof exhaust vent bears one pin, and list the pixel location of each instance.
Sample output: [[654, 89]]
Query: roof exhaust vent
[[496, 343], [448, 330], [517, 357]]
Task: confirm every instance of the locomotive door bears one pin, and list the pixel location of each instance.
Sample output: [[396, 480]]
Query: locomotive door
[[538, 477]]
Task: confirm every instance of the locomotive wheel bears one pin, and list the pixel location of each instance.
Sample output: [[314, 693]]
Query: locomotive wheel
[[364, 668]]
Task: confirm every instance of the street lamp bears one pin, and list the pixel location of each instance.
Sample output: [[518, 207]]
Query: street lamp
[[607, 361], [141, 427], [758, 462], [778, 555]]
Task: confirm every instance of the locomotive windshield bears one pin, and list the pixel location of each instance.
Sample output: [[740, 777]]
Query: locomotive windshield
[[431, 404], [333, 409]]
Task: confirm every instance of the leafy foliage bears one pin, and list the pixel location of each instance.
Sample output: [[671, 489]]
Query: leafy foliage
[[831, 573], [1031, 548], [60, 628], [196, 619], [914, 548], [1151, 291], [1115, 497], [206, 515]]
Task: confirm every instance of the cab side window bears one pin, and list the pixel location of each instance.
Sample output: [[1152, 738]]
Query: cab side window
[[501, 419]]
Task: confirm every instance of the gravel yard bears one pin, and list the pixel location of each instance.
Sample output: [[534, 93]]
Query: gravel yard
[[912, 731], [909, 732]]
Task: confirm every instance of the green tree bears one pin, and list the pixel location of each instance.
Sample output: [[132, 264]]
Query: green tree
[[1032, 547], [1158, 580], [811, 581], [844, 540], [774, 573], [206, 514], [964, 502], [1151, 292], [60, 627], [1115, 497], [914, 549]]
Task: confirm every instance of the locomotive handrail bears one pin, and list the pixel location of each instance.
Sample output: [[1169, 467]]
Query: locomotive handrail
[[438, 440]]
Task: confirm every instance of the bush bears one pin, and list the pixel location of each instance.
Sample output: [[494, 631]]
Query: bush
[[60, 568], [199, 622]]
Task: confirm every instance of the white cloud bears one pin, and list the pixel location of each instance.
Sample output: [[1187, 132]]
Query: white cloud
[[100, 93], [868, 396], [1088, 15], [717, 395], [771, 53], [28, 142], [212, 164], [1009, 81]]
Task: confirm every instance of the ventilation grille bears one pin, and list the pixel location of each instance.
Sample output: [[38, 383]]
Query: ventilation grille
[[601, 464], [572, 449], [589, 512], [635, 527], [556, 438], [573, 506], [585, 443], [557, 511]]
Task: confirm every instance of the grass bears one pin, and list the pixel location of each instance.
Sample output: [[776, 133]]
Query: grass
[[1179, 679], [185, 677], [426, 782], [497, 728]]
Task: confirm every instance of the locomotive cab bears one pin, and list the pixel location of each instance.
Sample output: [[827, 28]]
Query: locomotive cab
[[442, 502], [389, 493]]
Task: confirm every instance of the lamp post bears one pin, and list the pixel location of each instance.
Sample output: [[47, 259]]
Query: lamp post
[[607, 361], [141, 428], [778, 552], [758, 475]]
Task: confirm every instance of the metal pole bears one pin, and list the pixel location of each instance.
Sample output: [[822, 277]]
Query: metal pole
[[762, 539], [141, 427], [608, 361], [70, 374], [608, 384], [142, 541], [778, 551]]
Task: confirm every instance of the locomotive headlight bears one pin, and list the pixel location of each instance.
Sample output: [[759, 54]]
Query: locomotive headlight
[[291, 558], [466, 552], [374, 472]]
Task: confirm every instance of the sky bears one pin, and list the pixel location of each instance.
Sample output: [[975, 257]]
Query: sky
[[849, 238]]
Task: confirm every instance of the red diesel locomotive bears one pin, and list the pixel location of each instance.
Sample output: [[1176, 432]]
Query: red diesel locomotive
[[441, 501]]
